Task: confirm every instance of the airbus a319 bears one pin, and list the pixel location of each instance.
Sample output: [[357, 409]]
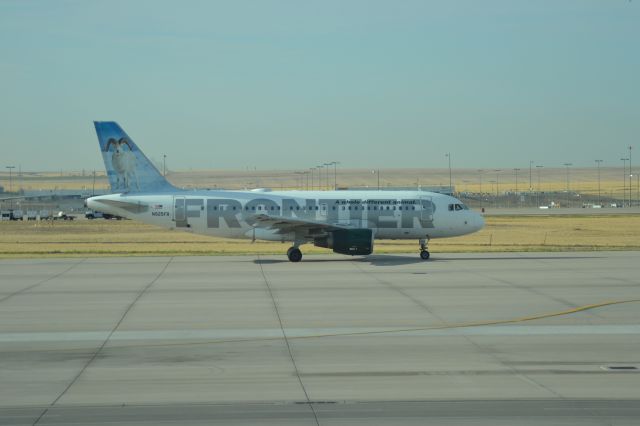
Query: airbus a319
[[345, 221]]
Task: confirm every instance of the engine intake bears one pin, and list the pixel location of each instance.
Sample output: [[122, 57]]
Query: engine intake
[[348, 241]]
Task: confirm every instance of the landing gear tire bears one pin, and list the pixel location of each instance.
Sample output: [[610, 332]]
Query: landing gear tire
[[424, 253], [294, 254]]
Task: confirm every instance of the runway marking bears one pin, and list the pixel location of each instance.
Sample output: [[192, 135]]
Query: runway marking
[[296, 333], [97, 351], [286, 341], [53, 277], [466, 336], [479, 328]]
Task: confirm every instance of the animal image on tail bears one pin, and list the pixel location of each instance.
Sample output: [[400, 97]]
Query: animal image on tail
[[128, 169], [124, 163]]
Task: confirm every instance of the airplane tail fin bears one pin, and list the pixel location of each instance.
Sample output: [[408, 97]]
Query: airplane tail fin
[[128, 169]]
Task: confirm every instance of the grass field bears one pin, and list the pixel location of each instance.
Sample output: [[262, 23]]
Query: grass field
[[583, 180], [128, 238]]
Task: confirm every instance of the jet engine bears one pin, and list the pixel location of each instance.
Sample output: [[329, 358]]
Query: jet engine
[[348, 241]]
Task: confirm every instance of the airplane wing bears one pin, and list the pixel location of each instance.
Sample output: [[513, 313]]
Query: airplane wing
[[289, 224]]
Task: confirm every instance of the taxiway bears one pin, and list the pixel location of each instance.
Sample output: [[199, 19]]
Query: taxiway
[[535, 338]]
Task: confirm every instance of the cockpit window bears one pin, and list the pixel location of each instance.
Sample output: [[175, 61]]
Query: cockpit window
[[457, 207]]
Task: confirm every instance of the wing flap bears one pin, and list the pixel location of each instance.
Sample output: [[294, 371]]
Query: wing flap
[[284, 225]]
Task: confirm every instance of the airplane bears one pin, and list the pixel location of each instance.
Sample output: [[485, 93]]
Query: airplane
[[346, 221]]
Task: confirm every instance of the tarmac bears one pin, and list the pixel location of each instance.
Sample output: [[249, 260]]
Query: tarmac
[[482, 339]]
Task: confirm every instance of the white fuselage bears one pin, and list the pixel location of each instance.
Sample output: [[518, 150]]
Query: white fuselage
[[390, 214]]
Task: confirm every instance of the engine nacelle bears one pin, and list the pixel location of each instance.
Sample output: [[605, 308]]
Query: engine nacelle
[[348, 241]]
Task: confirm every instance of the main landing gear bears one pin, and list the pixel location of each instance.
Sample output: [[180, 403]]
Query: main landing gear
[[294, 254], [424, 253]]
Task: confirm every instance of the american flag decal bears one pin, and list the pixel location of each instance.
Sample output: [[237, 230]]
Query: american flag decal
[[157, 206]]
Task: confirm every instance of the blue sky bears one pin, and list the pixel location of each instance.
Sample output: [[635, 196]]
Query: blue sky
[[290, 84]]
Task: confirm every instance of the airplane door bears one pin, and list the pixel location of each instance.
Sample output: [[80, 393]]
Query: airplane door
[[180, 212], [323, 210], [426, 211]]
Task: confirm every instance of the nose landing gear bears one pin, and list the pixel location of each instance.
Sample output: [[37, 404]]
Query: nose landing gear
[[424, 252]]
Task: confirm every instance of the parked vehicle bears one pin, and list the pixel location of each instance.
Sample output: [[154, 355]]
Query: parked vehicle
[[64, 216], [17, 214], [91, 214]]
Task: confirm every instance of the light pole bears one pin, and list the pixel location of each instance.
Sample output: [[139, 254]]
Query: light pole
[[598, 162], [517, 198], [335, 174], [10, 168], [495, 199], [530, 186], [311, 169], [448, 155], [624, 180], [497, 184], [539, 168], [327, 167], [630, 176], [319, 168], [567, 165]]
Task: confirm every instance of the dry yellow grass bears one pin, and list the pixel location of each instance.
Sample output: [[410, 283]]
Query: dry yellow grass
[[128, 238], [583, 180]]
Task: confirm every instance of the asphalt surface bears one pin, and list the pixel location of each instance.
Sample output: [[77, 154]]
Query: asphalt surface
[[538, 338]]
